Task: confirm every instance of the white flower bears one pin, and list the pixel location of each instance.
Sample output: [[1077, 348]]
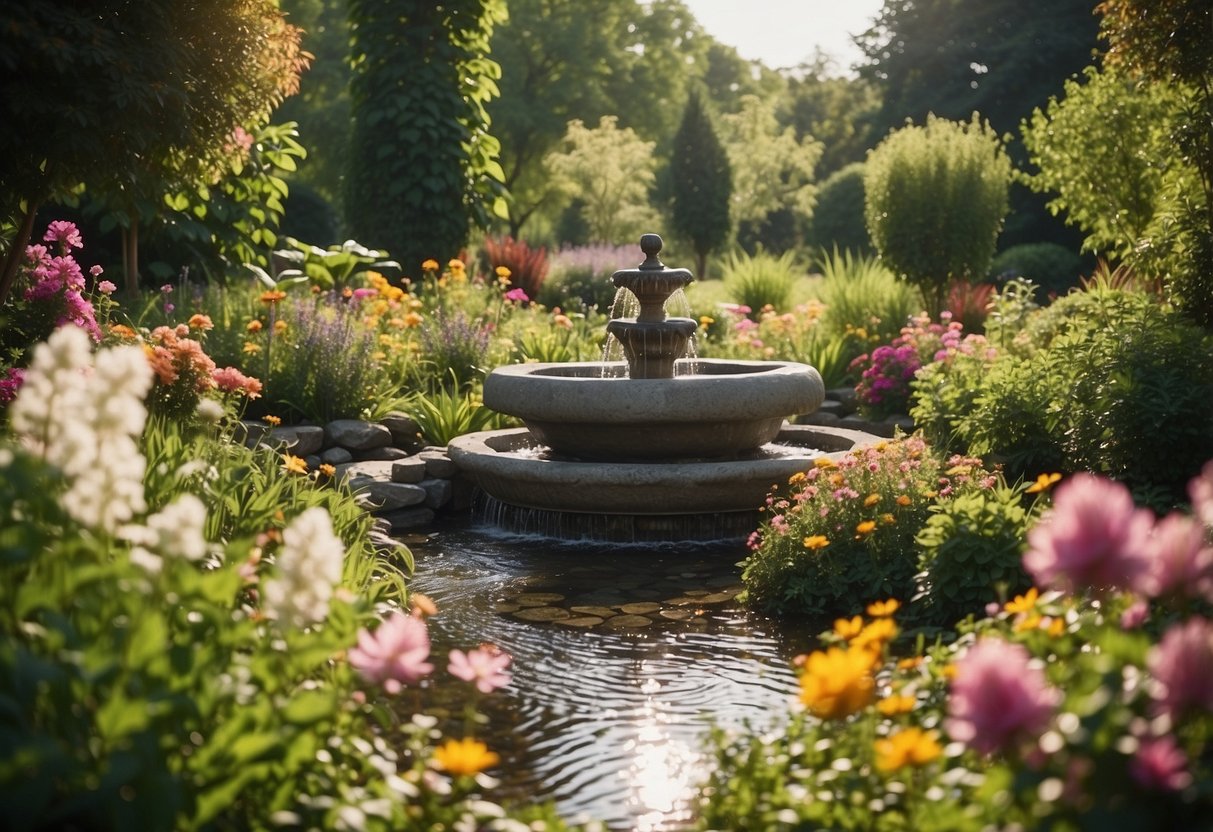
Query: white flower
[[209, 411], [179, 528], [309, 565]]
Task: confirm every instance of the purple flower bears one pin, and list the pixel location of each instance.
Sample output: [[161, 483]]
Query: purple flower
[[1160, 765], [485, 666], [517, 295], [1094, 538], [395, 654], [1200, 489], [10, 383], [1182, 667], [998, 697]]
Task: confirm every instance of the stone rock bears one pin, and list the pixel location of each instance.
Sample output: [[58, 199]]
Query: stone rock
[[336, 455], [405, 519], [438, 464], [357, 435], [375, 469], [437, 492], [463, 490], [408, 470], [379, 496], [542, 614], [902, 422], [585, 621], [592, 610], [628, 622], [253, 432], [846, 397], [300, 440], [386, 453], [538, 599], [854, 422], [676, 615], [312, 462], [404, 429], [824, 418], [640, 608]]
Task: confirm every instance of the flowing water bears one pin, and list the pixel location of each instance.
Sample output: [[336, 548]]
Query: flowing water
[[621, 658]]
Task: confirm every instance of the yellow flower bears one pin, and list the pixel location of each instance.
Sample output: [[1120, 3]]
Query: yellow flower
[[464, 757], [455, 265], [503, 275], [883, 609], [293, 464], [252, 348], [796, 478], [903, 500], [1055, 627], [412, 319], [1028, 622], [272, 296], [896, 704], [1043, 483], [848, 628], [823, 462], [430, 265], [871, 500], [706, 321], [273, 420], [865, 527], [1023, 603], [327, 470], [254, 326], [279, 327], [837, 683], [888, 519], [910, 663], [816, 541], [122, 331], [911, 747], [874, 636]]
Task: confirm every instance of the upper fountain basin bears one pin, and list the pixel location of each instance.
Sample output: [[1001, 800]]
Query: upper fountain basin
[[711, 409]]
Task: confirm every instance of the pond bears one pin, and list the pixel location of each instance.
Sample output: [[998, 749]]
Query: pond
[[622, 656]]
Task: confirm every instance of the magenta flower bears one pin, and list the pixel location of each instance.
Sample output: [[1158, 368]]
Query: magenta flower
[[106, 287], [10, 382], [1182, 667], [1200, 489], [1135, 615], [998, 697], [485, 666], [65, 233], [1160, 765], [395, 654], [1094, 538], [1180, 562]]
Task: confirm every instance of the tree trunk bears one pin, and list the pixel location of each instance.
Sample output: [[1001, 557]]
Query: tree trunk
[[17, 251], [130, 255]]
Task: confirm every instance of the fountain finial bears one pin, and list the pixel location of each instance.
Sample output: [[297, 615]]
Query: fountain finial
[[651, 245]]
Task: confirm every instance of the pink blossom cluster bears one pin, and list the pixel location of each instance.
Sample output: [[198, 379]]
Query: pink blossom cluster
[[10, 383], [1095, 538], [176, 359], [57, 279]]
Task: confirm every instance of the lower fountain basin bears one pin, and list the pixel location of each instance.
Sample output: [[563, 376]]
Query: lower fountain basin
[[711, 409], [512, 467]]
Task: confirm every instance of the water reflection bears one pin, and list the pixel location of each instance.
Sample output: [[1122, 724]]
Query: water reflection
[[607, 722]]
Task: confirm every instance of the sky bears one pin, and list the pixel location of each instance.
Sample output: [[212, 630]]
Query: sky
[[783, 33]]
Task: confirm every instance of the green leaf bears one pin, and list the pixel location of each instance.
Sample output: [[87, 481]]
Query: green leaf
[[310, 706]]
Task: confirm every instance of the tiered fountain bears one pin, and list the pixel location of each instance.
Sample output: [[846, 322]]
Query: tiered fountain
[[660, 447]]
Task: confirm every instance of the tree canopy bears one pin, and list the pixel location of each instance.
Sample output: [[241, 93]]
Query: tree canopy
[[702, 183]]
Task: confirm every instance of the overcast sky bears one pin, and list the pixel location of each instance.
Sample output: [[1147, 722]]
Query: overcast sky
[[784, 33]]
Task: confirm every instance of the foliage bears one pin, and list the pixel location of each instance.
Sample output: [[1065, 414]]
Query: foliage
[[701, 183], [581, 276], [1053, 268], [844, 530], [1101, 151], [836, 110], [152, 94], [772, 168], [761, 279], [454, 348], [838, 219], [423, 165], [1010, 309], [969, 553], [1114, 383], [969, 303], [936, 199], [864, 299], [528, 266], [334, 267], [445, 414], [610, 170]]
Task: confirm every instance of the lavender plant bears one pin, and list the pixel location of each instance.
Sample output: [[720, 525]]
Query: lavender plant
[[454, 348]]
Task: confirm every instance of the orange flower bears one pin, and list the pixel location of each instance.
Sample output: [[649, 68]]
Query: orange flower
[[911, 747], [273, 420], [796, 478], [903, 500], [848, 628], [272, 296], [122, 331], [464, 757], [430, 265], [896, 704], [327, 470], [279, 327], [816, 541], [910, 663], [455, 265], [871, 500], [876, 635], [883, 609], [254, 326], [837, 683], [865, 527], [823, 462], [293, 464], [1043, 483], [1023, 603], [202, 322]]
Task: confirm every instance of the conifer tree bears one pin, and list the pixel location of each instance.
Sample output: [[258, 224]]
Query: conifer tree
[[702, 183]]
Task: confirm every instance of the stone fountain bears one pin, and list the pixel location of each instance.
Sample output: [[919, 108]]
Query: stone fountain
[[657, 447]]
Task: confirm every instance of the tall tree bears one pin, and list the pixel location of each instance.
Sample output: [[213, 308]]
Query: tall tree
[[837, 111], [114, 95], [423, 165], [702, 183]]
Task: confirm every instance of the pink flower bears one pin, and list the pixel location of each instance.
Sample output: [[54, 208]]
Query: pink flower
[[1160, 765], [1135, 615], [1094, 538], [485, 666], [1200, 489], [167, 288], [1182, 667], [998, 697], [517, 295], [106, 287], [1180, 562], [65, 233], [10, 382], [231, 380], [395, 654]]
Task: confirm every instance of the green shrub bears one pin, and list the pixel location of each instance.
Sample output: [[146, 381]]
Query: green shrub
[[864, 299], [580, 277], [1054, 268], [1010, 309], [444, 414], [761, 279], [838, 218], [969, 554], [936, 200]]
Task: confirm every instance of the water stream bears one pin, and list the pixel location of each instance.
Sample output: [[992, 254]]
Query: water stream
[[610, 702]]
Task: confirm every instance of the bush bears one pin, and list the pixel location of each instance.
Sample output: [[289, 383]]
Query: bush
[[864, 299], [580, 277], [528, 267], [838, 218], [969, 553], [844, 531], [936, 200], [1052, 267], [760, 280]]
